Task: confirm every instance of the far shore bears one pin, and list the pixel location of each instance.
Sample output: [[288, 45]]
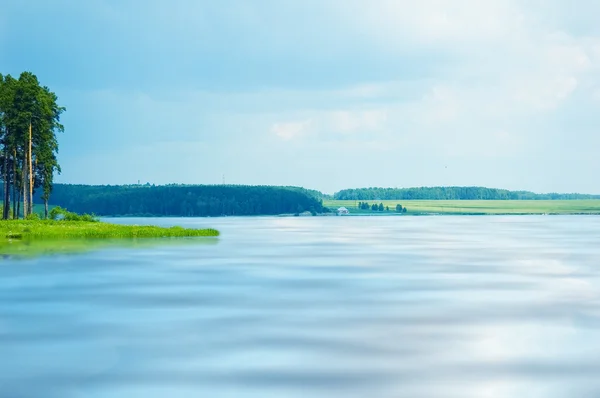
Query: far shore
[[474, 207]]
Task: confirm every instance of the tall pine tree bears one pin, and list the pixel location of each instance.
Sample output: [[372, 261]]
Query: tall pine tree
[[29, 121]]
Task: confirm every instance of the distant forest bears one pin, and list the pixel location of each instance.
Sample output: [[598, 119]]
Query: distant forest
[[450, 193], [184, 200], [242, 200]]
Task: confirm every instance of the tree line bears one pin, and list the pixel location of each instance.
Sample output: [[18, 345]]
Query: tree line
[[29, 121], [450, 193], [184, 200], [380, 207]]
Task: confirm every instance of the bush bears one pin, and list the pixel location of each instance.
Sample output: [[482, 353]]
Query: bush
[[33, 216], [58, 213]]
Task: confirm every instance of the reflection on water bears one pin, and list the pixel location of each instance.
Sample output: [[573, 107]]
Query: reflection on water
[[320, 307], [29, 248]]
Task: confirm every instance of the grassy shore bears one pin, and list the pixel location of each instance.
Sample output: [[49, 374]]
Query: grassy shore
[[476, 207], [49, 229]]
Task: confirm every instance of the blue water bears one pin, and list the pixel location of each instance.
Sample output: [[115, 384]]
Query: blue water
[[313, 307]]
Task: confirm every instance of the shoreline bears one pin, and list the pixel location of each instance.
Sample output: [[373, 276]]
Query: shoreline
[[51, 229], [357, 215]]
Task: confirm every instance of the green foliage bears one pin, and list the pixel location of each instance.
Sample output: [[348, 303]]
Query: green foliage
[[32, 217], [373, 207], [450, 193], [184, 200], [29, 121], [364, 205], [52, 229], [63, 214], [55, 212], [399, 208]]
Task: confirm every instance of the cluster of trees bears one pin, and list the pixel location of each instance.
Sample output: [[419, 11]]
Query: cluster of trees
[[379, 207], [450, 193], [184, 200], [29, 121], [363, 206]]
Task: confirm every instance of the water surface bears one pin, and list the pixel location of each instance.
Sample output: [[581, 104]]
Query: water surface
[[320, 307]]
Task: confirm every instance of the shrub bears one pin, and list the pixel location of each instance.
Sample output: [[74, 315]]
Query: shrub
[[58, 213], [33, 216]]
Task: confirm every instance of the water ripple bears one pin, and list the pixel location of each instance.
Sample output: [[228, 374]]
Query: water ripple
[[324, 307]]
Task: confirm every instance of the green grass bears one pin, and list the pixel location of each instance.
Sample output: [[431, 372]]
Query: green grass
[[479, 207], [48, 229]]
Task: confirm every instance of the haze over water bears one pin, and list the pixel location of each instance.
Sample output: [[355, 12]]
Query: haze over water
[[319, 307]]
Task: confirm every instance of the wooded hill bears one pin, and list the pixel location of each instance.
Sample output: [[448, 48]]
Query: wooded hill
[[184, 200], [243, 200], [451, 193]]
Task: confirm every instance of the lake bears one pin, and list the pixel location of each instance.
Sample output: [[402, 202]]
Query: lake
[[448, 306]]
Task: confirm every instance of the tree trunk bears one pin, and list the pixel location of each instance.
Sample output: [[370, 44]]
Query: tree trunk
[[6, 209], [30, 208], [25, 188], [14, 181], [46, 208], [18, 206], [6, 212], [14, 199]]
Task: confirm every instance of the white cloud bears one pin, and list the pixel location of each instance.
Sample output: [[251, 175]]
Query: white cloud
[[493, 78], [337, 125], [435, 21], [348, 121], [509, 63], [291, 130], [509, 53]]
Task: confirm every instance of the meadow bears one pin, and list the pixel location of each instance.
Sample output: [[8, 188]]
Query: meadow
[[50, 229], [476, 207]]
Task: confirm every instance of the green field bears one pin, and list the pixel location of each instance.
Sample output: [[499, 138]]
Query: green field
[[49, 229], [481, 207]]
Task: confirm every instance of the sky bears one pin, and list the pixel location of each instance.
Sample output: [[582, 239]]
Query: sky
[[325, 94]]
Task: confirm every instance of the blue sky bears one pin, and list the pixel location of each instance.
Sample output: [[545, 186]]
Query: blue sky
[[324, 94]]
